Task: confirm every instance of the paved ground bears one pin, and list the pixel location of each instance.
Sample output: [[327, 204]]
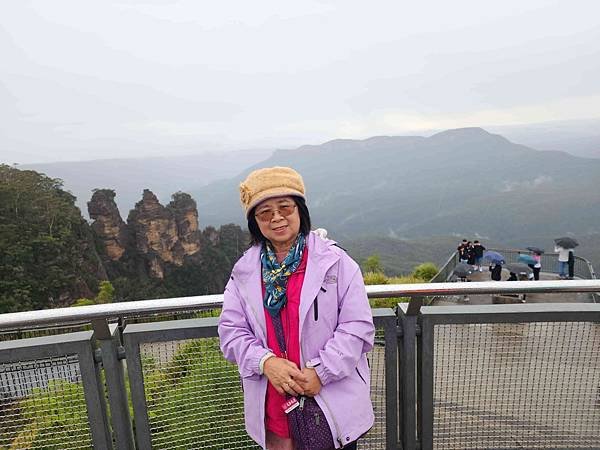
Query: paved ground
[[530, 385], [526, 385], [531, 298]]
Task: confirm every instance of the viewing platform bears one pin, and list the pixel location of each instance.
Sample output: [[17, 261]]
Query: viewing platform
[[150, 375]]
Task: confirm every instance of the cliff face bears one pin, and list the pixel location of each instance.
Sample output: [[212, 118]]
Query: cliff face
[[108, 226], [185, 213], [154, 235]]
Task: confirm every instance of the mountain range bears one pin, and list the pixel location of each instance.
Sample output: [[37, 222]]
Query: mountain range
[[464, 181], [407, 191]]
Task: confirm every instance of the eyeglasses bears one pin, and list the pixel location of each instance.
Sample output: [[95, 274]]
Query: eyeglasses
[[267, 215]]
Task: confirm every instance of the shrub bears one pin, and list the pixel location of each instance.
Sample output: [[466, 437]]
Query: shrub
[[83, 302], [375, 278], [405, 279], [425, 271], [379, 278], [53, 416], [204, 391]]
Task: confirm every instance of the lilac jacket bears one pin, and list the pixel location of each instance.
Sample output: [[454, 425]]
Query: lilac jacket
[[336, 332]]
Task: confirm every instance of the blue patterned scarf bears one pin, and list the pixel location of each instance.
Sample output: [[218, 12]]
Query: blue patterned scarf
[[275, 275]]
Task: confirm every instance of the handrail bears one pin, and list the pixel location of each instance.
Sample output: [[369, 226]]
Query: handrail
[[80, 314], [451, 261]]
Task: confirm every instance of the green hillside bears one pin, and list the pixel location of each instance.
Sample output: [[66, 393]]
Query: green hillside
[[47, 256], [458, 182]]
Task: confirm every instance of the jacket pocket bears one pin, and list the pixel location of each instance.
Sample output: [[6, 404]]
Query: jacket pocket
[[359, 374], [316, 305]]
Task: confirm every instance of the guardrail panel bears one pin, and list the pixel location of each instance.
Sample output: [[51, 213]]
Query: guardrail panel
[[50, 396], [192, 395], [527, 384]]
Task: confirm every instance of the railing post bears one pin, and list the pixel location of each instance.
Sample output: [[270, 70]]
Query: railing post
[[138, 391], [95, 401], [110, 342], [391, 381], [425, 355], [406, 375]]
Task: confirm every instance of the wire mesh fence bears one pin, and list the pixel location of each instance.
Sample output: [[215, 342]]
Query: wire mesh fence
[[195, 399], [11, 335], [520, 385], [194, 396], [502, 385], [376, 437], [42, 405]]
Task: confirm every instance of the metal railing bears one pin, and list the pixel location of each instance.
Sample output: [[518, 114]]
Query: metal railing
[[510, 377], [445, 271], [583, 269], [470, 372]]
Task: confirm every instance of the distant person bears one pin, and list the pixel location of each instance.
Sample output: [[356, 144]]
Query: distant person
[[478, 250], [563, 261], [470, 254], [496, 270], [512, 277], [462, 251], [537, 267], [571, 263]]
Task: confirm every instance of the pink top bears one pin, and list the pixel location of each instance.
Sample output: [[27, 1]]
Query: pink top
[[275, 418]]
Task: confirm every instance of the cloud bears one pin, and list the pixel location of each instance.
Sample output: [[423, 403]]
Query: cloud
[[138, 75], [540, 180]]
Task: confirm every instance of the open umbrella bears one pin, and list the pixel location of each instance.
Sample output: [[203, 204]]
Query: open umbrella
[[462, 270], [518, 268], [536, 250], [493, 257], [566, 242], [527, 259]]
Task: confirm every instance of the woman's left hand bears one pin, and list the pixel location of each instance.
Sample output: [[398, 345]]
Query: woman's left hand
[[313, 384]]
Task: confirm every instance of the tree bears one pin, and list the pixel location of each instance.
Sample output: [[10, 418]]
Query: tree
[[373, 264], [45, 256], [106, 293]]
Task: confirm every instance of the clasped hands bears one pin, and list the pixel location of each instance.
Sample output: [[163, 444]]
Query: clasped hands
[[285, 377]]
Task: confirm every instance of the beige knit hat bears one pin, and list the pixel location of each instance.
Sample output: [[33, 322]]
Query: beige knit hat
[[268, 183]]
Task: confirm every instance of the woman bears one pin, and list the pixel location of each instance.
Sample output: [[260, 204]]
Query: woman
[[295, 290]]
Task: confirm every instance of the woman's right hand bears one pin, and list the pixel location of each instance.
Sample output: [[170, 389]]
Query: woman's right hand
[[284, 375]]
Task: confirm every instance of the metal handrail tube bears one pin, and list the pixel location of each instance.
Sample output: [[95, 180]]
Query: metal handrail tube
[[446, 269], [62, 316]]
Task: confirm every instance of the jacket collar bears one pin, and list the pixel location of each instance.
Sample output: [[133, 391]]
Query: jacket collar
[[322, 254]]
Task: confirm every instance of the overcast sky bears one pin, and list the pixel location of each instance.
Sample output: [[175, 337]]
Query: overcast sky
[[89, 80]]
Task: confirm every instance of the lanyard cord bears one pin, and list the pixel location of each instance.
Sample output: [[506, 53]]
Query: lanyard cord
[[278, 325]]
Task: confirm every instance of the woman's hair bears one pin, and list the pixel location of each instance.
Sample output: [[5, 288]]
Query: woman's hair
[[256, 237]]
